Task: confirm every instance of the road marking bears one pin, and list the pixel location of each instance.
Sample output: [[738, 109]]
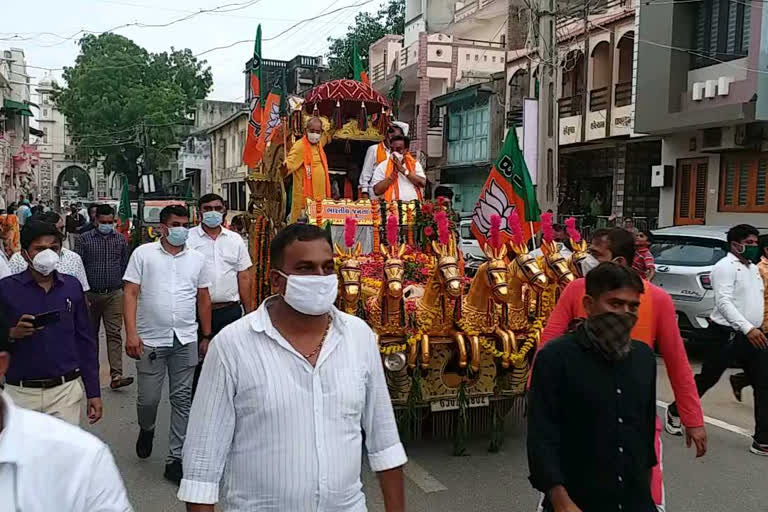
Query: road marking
[[421, 477], [716, 422]]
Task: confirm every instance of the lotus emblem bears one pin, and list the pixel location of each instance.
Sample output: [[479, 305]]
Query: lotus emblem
[[493, 201]]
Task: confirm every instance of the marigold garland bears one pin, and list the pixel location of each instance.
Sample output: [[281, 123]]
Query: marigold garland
[[515, 358]]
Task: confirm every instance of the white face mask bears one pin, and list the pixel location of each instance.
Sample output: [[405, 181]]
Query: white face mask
[[45, 261], [313, 138], [398, 156], [311, 295], [588, 263]]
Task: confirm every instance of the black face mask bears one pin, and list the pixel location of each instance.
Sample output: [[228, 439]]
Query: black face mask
[[610, 333]]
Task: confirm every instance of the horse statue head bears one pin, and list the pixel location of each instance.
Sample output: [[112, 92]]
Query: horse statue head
[[556, 267], [494, 273], [448, 268], [350, 275], [524, 268], [577, 256], [394, 271]]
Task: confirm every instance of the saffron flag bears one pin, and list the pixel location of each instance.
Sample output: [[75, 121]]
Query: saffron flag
[[254, 142], [358, 71], [273, 110], [509, 187]]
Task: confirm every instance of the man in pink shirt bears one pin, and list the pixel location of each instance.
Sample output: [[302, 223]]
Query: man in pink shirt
[[656, 326]]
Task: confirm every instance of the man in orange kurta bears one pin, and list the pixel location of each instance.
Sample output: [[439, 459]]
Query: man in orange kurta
[[306, 160]]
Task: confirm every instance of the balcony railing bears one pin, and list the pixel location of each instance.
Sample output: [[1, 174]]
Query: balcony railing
[[570, 106], [623, 94], [515, 116], [403, 58], [598, 99], [378, 72]]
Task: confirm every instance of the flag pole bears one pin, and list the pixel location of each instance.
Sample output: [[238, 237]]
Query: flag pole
[[533, 234]]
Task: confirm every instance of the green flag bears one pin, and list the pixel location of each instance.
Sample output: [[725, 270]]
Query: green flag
[[358, 71], [124, 211]]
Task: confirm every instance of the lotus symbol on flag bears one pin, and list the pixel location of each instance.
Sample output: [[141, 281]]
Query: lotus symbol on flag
[[492, 202], [273, 119]]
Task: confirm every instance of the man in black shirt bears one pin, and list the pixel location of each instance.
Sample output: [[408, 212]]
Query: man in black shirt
[[592, 411]]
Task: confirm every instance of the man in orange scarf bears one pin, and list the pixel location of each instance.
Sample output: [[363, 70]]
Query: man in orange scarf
[[308, 164], [376, 154], [401, 176]]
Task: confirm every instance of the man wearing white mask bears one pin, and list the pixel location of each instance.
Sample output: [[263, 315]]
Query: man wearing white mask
[[166, 288], [54, 345], [376, 154], [308, 165], [401, 176], [227, 258], [285, 395]]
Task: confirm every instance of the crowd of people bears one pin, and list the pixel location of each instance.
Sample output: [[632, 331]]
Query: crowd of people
[[272, 405]]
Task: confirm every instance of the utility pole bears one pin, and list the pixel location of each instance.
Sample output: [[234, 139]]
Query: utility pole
[[146, 168], [549, 123]]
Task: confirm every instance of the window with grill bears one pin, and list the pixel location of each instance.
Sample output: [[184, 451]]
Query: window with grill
[[468, 132], [721, 32], [744, 183]]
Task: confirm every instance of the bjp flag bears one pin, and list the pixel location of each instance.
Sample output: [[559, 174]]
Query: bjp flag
[[509, 187], [254, 142]]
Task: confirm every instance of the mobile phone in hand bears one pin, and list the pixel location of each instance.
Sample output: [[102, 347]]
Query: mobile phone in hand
[[44, 319]]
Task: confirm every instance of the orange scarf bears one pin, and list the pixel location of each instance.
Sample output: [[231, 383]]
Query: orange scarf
[[308, 190], [393, 192], [381, 153]]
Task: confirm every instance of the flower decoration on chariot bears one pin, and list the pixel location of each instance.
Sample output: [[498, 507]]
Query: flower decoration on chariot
[[492, 202]]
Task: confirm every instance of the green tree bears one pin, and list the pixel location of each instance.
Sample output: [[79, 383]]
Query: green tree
[[366, 30], [117, 92]]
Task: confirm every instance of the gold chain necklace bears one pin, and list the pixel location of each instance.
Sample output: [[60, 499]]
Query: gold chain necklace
[[322, 340]]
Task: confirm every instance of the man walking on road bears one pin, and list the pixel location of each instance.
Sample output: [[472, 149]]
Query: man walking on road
[[656, 326], [285, 396], [735, 323], [74, 222], [166, 284], [105, 256], [46, 464], [54, 345], [90, 221], [596, 379], [228, 262]]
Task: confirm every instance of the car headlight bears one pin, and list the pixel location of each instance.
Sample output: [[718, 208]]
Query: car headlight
[[394, 362]]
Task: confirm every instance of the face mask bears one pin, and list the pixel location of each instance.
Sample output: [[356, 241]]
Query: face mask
[[610, 333], [106, 229], [398, 156], [177, 236], [750, 253], [311, 295], [45, 261], [313, 138], [588, 263], [213, 219]]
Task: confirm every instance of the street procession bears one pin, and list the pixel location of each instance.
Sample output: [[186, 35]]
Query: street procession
[[430, 258]]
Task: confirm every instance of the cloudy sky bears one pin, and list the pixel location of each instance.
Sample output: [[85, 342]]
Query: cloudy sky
[[44, 30]]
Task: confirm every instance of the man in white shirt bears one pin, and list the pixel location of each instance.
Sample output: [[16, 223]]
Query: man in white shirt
[[376, 154], [70, 263], [227, 259], [166, 284], [735, 322], [285, 396], [48, 464], [401, 176]]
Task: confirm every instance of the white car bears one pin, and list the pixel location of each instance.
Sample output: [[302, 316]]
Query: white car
[[684, 257]]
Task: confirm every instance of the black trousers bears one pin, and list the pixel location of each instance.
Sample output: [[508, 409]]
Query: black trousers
[[734, 347], [220, 318]]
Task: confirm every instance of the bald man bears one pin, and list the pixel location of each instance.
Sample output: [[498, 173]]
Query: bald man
[[308, 165]]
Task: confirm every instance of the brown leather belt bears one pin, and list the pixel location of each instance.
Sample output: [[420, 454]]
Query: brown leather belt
[[222, 305], [45, 383]]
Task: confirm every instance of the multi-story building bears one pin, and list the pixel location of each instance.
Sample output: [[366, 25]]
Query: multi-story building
[[447, 46], [605, 165], [701, 87], [61, 176], [301, 74], [18, 158]]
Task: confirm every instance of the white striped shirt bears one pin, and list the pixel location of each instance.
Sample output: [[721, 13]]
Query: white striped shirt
[[281, 435]]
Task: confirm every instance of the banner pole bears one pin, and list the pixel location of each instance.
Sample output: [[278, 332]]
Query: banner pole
[[533, 234]]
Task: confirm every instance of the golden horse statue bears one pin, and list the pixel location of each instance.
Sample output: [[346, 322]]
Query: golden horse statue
[[434, 309], [577, 256], [386, 312], [479, 314], [350, 283], [525, 280], [559, 275]]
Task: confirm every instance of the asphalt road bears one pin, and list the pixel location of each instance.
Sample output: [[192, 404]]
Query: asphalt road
[[727, 479]]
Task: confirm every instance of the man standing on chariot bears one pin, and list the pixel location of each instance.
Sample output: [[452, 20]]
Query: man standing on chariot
[[308, 164]]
